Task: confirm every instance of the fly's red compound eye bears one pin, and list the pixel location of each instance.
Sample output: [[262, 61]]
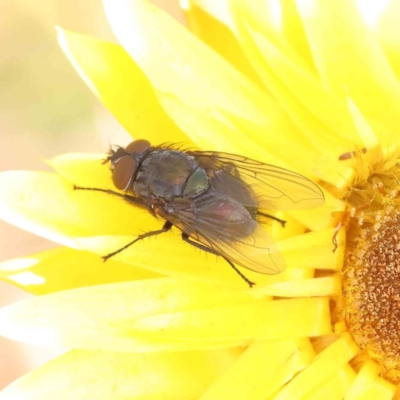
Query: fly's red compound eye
[[138, 146], [124, 162], [123, 171]]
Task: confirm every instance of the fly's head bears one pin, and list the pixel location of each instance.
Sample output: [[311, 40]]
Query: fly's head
[[124, 162]]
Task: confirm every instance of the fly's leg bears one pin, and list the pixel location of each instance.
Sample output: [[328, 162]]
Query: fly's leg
[[167, 226], [133, 200], [130, 199], [281, 221], [200, 246]]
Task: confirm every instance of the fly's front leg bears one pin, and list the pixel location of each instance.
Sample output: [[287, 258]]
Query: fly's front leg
[[130, 199], [200, 246], [167, 226]]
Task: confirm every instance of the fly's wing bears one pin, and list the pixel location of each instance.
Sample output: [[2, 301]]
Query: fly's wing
[[227, 227], [255, 184]]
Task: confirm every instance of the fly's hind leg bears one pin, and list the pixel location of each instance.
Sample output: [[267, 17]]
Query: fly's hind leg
[[167, 226], [200, 246], [281, 221]]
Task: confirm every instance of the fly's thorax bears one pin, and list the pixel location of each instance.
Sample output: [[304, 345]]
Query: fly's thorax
[[168, 174]]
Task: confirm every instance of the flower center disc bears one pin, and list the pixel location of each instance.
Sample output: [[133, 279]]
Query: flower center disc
[[371, 284]]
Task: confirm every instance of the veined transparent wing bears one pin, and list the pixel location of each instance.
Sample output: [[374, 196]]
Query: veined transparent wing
[[228, 228], [256, 184]]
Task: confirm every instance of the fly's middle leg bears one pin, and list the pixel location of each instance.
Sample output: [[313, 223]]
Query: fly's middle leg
[[200, 246], [167, 226]]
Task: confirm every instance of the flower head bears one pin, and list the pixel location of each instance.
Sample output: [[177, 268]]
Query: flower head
[[304, 85]]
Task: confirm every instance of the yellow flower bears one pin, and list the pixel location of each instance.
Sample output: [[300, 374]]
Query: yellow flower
[[301, 84]]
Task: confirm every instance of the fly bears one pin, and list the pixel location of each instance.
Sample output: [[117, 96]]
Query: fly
[[216, 199]]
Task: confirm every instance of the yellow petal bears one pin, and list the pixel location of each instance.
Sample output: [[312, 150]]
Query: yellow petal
[[264, 17], [293, 30], [194, 75], [304, 356], [284, 79], [307, 90], [122, 87], [64, 268], [259, 371], [47, 205], [190, 69], [351, 58], [102, 316], [369, 386], [157, 314], [218, 36], [327, 363], [84, 170], [314, 250], [323, 119], [257, 320], [381, 389], [321, 217], [316, 114], [335, 387], [106, 375], [212, 130], [325, 286], [386, 31], [275, 150], [374, 151], [367, 135], [169, 255], [219, 10]]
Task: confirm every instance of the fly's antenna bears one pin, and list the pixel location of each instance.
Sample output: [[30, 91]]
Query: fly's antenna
[[105, 160], [110, 152]]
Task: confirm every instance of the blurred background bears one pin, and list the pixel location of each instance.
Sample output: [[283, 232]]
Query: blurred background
[[45, 110]]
